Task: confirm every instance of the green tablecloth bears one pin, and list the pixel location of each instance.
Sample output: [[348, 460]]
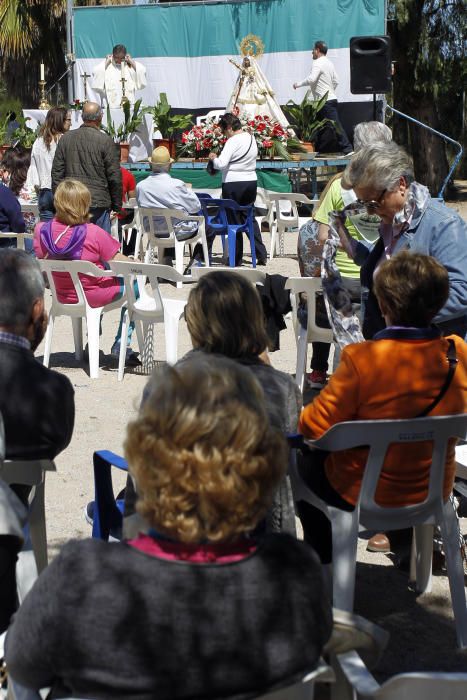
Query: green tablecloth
[[201, 180]]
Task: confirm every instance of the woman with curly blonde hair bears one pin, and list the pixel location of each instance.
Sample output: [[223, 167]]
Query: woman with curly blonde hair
[[198, 606]]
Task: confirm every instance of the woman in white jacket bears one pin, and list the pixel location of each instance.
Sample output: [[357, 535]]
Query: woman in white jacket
[[237, 162], [57, 121]]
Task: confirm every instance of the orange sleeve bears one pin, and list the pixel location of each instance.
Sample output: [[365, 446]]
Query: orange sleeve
[[337, 402]]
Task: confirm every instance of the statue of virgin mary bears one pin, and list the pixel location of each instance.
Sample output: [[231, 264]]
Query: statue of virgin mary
[[252, 94]]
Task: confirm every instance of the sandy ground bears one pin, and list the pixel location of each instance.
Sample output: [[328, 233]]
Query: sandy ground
[[422, 630]]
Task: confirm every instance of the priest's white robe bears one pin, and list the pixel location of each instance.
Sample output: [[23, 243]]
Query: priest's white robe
[[107, 82]]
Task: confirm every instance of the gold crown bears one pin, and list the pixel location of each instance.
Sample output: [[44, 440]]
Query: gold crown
[[251, 45]]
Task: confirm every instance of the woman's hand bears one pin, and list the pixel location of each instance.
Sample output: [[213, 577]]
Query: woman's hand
[[212, 155]]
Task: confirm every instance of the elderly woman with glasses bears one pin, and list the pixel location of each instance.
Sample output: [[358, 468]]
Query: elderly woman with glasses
[[382, 178]]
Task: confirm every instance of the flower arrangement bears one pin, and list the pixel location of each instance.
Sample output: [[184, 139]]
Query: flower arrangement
[[76, 105], [201, 140], [271, 137]]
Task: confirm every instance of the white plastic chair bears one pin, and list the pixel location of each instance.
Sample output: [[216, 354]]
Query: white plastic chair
[[283, 216], [20, 238], [30, 561], [358, 682], [149, 308], [77, 311], [146, 224], [379, 435], [313, 333]]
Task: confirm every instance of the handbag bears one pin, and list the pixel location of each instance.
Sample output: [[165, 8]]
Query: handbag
[[212, 170]]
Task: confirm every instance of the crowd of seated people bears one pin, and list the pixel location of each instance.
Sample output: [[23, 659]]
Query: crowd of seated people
[[214, 598]]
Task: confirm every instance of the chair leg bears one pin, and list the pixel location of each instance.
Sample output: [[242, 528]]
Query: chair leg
[[422, 557], [171, 322], [273, 240], [455, 570], [77, 323], [37, 526], [48, 339], [179, 249], [92, 321], [344, 558], [251, 234], [232, 240], [302, 348], [122, 354]]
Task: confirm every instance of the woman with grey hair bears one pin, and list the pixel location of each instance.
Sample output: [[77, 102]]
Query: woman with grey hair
[[337, 195], [383, 180]]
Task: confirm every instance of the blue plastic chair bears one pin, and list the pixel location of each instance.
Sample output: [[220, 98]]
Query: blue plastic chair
[[108, 512], [228, 212], [216, 221]]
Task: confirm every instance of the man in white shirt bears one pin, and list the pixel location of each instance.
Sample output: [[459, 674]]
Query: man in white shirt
[[162, 190], [107, 77], [323, 79]]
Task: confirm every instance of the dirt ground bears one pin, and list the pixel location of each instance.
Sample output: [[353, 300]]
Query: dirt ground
[[422, 630]]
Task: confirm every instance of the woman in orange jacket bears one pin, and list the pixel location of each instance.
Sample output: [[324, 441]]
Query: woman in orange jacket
[[398, 374]]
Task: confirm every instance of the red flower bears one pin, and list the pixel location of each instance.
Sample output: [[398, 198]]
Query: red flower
[[267, 143]]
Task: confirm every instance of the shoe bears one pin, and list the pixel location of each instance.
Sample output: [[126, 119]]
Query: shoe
[[316, 379], [379, 543], [89, 513], [262, 261], [132, 359], [348, 153]]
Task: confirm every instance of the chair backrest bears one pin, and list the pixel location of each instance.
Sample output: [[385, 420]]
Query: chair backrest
[[252, 274], [285, 206], [406, 686], [134, 270], [74, 268], [310, 286], [214, 212], [379, 435], [20, 238], [160, 221]]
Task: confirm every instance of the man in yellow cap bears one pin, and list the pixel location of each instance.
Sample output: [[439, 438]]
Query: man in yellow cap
[[160, 189]]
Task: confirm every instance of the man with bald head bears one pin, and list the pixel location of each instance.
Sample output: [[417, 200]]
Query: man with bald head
[[90, 156]]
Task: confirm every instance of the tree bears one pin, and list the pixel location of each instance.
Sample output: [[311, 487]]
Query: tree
[[427, 46]]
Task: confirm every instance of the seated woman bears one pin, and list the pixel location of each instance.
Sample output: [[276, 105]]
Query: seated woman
[[70, 236], [11, 218], [197, 608], [224, 315], [396, 375], [336, 195]]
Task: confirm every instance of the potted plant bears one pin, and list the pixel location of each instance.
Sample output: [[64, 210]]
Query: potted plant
[[4, 136], [304, 119], [167, 123], [23, 134], [132, 119]]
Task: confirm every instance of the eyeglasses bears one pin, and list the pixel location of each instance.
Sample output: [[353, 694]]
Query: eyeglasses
[[372, 203]]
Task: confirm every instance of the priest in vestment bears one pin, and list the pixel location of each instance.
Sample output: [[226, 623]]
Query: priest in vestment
[[107, 77]]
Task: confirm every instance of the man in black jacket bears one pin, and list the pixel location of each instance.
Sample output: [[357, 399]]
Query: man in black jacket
[[88, 155], [36, 403]]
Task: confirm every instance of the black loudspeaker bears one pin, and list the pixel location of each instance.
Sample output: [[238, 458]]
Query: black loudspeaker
[[370, 64]]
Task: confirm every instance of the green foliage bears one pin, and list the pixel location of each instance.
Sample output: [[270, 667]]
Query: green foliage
[[4, 121], [132, 119], [303, 117], [23, 134], [166, 122]]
